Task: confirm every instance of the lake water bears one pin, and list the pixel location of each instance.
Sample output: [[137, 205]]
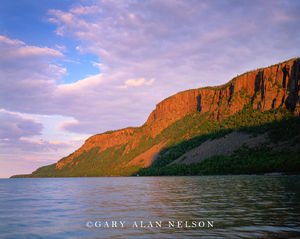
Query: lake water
[[236, 206]]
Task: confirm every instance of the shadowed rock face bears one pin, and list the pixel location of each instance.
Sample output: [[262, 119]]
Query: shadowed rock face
[[263, 89]]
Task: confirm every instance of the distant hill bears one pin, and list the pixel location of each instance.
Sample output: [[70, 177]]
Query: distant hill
[[249, 125]]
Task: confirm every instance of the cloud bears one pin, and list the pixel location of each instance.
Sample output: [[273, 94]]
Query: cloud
[[88, 82], [16, 49], [32, 51], [69, 18], [29, 144], [13, 126], [28, 76], [16, 133], [61, 48], [180, 44], [138, 82], [86, 10], [5, 40], [183, 42], [68, 124]]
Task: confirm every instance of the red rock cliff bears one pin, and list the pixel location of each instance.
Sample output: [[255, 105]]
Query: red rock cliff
[[263, 89]]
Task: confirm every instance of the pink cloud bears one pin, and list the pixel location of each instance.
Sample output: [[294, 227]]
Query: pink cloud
[[179, 44], [36, 51], [86, 10], [8, 41], [17, 131]]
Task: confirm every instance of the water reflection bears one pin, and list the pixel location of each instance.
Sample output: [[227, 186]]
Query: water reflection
[[239, 206]]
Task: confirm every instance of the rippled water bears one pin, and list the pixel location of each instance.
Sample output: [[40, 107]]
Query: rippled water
[[238, 206]]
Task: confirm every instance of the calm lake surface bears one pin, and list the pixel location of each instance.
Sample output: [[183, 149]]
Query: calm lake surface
[[239, 206]]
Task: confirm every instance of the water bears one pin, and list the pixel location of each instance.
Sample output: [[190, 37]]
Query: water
[[238, 207]]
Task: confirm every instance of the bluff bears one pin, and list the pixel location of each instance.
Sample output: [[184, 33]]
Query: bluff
[[272, 91]]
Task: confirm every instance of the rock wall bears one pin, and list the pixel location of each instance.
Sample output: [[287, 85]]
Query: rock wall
[[263, 89]]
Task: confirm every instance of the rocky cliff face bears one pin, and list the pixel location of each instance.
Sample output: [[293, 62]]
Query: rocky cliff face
[[104, 141], [262, 89]]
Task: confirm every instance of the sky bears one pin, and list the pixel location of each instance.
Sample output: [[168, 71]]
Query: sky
[[72, 69]]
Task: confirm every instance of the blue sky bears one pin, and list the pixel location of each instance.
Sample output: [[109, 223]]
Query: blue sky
[[71, 69]]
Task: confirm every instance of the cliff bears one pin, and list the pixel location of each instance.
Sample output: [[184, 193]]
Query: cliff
[[264, 89], [123, 152]]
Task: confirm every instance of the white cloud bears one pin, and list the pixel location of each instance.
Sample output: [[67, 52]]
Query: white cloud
[[137, 82], [79, 86]]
